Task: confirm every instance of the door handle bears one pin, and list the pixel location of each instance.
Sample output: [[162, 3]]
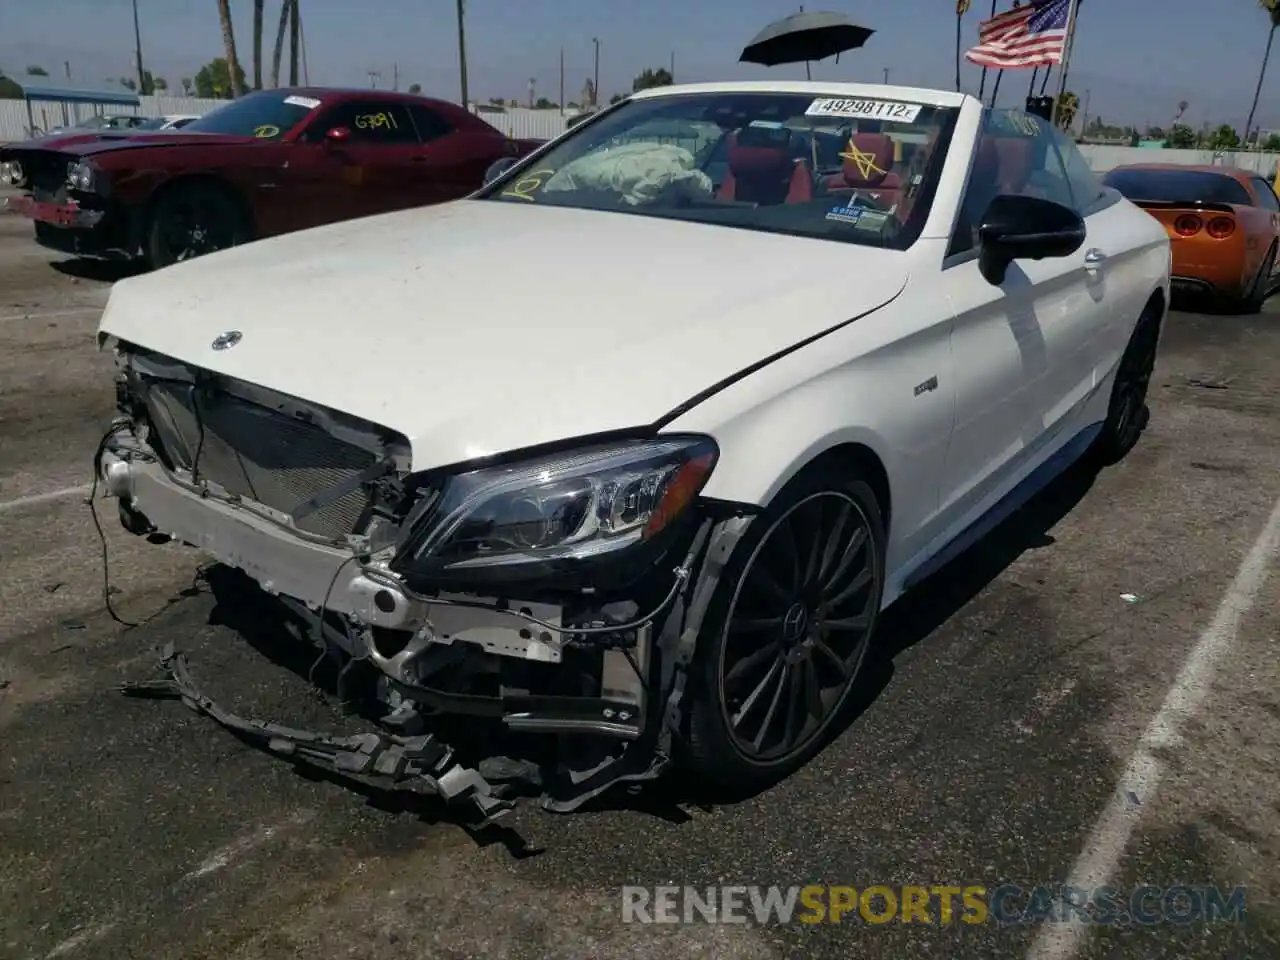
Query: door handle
[[1094, 258]]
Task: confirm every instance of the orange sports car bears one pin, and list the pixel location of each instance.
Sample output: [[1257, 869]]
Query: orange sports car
[[1223, 226]]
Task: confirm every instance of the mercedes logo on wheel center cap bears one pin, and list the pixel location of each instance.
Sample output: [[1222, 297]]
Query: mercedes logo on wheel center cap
[[226, 341]]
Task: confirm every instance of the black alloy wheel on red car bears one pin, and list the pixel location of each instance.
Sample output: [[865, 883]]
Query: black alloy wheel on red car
[[192, 220]]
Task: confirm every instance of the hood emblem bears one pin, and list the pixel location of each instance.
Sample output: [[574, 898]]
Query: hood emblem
[[225, 341]]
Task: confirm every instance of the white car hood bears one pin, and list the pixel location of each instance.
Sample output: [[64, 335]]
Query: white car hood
[[479, 327]]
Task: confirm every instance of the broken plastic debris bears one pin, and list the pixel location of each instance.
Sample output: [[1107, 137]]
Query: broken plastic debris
[[1129, 597]]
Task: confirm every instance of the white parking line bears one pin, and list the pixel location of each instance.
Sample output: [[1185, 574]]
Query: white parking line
[[47, 497], [1099, 860], [49, 314]]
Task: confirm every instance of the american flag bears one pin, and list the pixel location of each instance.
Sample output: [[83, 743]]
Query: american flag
[[1028, 36]]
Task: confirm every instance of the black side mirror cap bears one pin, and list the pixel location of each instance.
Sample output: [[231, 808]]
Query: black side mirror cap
[[1020, 227]]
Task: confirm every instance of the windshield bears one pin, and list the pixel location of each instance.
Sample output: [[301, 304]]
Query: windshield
[[1177, 186], [267, 115], [153, 124], [834, 168]]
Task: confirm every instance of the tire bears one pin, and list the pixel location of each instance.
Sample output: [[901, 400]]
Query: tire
[[192, 220], [1252, 301], [1127, 413], [792, 638]]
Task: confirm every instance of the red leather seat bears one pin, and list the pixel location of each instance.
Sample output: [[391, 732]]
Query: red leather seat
[[867, 169], [764, 173]]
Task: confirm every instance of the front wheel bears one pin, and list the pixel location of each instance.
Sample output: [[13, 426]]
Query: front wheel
[[192, 220], [786, 632]]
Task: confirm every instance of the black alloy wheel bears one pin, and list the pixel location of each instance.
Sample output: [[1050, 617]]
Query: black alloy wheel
[[1128, 413], [797, 618], [191, 221]]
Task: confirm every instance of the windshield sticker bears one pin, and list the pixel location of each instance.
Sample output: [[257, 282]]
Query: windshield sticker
[[266, 131], [864, 109], [525, 187], [872, 220], [767, 124], [309, 102], [864, 162], [376, 121], [847, 214]]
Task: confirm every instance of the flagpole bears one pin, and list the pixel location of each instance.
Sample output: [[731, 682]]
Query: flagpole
[[1066, 60], [982, 83]]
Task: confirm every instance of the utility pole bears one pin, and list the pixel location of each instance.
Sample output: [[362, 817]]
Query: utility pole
[[596, 79], [672, 71], [294, 42], [562, 81], [395, 77], [137, 39], [462, 54], [532, 85], [886, 76]]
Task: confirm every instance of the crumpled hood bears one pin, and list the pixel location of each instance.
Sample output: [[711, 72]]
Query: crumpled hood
[[477, 327]]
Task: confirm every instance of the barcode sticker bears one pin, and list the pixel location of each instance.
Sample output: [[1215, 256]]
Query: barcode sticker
[[893, 111]]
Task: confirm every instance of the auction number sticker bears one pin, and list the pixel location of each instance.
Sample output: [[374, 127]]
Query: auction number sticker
[[309, 102], [890, 110]]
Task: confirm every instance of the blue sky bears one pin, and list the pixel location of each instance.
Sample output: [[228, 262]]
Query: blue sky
[[1137, 58]]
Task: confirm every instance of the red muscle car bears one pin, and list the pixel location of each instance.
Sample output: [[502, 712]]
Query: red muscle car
[[268, 163]]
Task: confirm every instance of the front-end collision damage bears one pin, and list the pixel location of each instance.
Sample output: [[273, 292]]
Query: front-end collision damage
[[555, 598]]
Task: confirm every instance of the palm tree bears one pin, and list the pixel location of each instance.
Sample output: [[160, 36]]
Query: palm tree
[[229, 43], [257, 43], [1272, 7], [286, 7], [962, 7]]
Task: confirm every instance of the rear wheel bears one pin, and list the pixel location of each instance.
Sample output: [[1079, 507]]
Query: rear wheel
[[192, 220], [1128, 413], [1253, 300], [786, 633]]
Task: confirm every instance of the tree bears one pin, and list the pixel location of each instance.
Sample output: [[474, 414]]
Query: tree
[[544, 104], [1225, 138], [416, 89], [258, 10], [1181, 137], [159, 84], [286, 7], [214, 81], [150, 84], [187, 84], [962, 7], [1272, 8], [35, 70], [235, 74], [1272, 143], [10, 89], [497, 102], [1068, 104], [650, 78], [616, 98], [128, 83]]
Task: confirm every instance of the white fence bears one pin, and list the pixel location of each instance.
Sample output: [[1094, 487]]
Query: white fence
[[520, 122], [523, 122]]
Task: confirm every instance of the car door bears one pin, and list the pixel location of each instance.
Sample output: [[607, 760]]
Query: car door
[[373, 168], [1022, 362], [453, 162]]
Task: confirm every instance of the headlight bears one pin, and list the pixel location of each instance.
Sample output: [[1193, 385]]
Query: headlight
[[11, 173], [566, 507], [79, 176]]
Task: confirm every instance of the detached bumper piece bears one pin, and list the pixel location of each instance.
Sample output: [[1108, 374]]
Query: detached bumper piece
[[58, 214], [421, 764]]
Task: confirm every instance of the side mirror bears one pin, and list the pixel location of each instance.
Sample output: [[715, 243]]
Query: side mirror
[[1018, 228], [337, 136], [498, 168]]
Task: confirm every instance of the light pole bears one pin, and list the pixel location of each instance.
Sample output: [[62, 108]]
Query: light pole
[[137, 38], [462, 55], [886, 76], [595, 94]]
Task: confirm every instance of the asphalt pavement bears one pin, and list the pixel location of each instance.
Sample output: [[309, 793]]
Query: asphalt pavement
[[1004, 735]]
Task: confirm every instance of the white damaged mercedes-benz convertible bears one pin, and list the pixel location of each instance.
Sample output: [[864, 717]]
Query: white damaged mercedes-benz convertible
[[613, 465]]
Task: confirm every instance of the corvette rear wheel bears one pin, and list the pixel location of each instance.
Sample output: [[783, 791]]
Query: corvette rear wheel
[[786, 633], [190, 221], [1252, 301]]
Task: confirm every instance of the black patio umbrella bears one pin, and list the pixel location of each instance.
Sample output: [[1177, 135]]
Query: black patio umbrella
[[803, 37]]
